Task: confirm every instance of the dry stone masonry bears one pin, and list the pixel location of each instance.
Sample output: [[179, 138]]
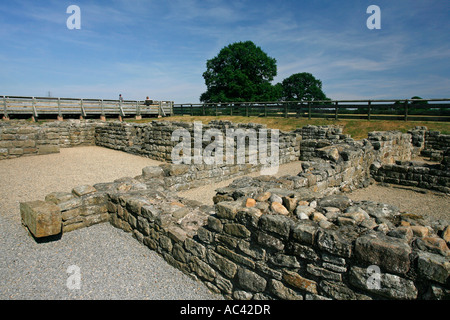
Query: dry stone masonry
[[293, 238]]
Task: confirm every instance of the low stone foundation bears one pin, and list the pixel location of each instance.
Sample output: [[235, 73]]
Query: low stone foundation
[[265, 238], [294, 237], [20, 138], [415, 174]]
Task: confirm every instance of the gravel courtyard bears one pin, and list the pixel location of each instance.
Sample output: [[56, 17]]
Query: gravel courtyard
[[112, 264]]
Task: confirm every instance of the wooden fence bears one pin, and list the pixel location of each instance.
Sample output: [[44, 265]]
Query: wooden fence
[[408, 109], [45, 107]]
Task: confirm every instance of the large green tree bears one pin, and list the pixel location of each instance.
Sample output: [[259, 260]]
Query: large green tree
[[302, 86], [240, 72]]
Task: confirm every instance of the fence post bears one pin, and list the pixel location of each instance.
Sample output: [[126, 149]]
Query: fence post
[[5, 109], [216, 109], [369, 109], [406, 110], [309, 110], [246, 110], [33, 105], [83, 112], [181, 107], [231, 109], [138, 111], [60, 116], [337, 108], [286, 110], [102, 107], [265, 110], [192, 110], [203, 109]]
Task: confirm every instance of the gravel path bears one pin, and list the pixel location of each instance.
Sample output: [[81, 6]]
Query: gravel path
[[112, 265]]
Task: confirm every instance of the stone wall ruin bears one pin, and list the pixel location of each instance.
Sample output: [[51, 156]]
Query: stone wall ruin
[[292, 238]]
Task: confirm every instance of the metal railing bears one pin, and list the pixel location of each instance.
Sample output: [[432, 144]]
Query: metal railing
[[45, 106], [406, 109]]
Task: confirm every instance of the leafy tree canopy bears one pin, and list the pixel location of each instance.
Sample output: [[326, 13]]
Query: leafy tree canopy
[[302, 86], [240, 72]]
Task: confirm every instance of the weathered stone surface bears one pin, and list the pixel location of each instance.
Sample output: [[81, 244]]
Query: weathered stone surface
[[42, 218], [227, 267], [254, 252], [152, 172], [250, 203], [202, 269], [278, 208], [177, 234], [280, 225], [433, 244], [434, 267], [47, 149], [334, 242], [236, 230], [83, 190], [269, 241], [305, 232], [339, 291], [250, 280], [383, 284], [323, 273], [70, 204], [390, 254], [227, 210], [283, 260], [294, 279], [195, 248], [337, 201], [281, 291], [215, 224], [58, 197]]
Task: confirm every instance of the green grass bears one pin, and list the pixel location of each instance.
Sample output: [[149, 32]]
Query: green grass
[[358, 129]]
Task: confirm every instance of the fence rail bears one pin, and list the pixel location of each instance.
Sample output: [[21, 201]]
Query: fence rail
[[407, 109], [45, 106]]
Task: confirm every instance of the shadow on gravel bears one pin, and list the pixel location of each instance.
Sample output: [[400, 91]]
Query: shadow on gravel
[[48, 239]]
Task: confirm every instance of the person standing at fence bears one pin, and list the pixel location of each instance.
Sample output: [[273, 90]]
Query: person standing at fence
[[120, 98]]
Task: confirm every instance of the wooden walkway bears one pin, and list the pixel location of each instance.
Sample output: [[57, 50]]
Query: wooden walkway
[[44, 107]]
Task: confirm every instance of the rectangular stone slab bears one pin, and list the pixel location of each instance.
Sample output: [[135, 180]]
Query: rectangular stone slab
[[42, 218]]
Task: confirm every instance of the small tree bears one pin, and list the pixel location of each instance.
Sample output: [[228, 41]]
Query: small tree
[[240, 72], [418, 102], [302, 86]]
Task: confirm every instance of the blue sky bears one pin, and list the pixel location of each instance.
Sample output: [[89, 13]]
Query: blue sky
[[160, 48]]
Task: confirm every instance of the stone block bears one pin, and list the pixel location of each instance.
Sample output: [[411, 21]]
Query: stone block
[[152, 172], [433, 267], [294, 279], [250, 280], [334, 242], [280, 225], [47, 149], [228, 209], [389, 253], [83, 190], [236, 230], [42, 218], [383, 284]]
